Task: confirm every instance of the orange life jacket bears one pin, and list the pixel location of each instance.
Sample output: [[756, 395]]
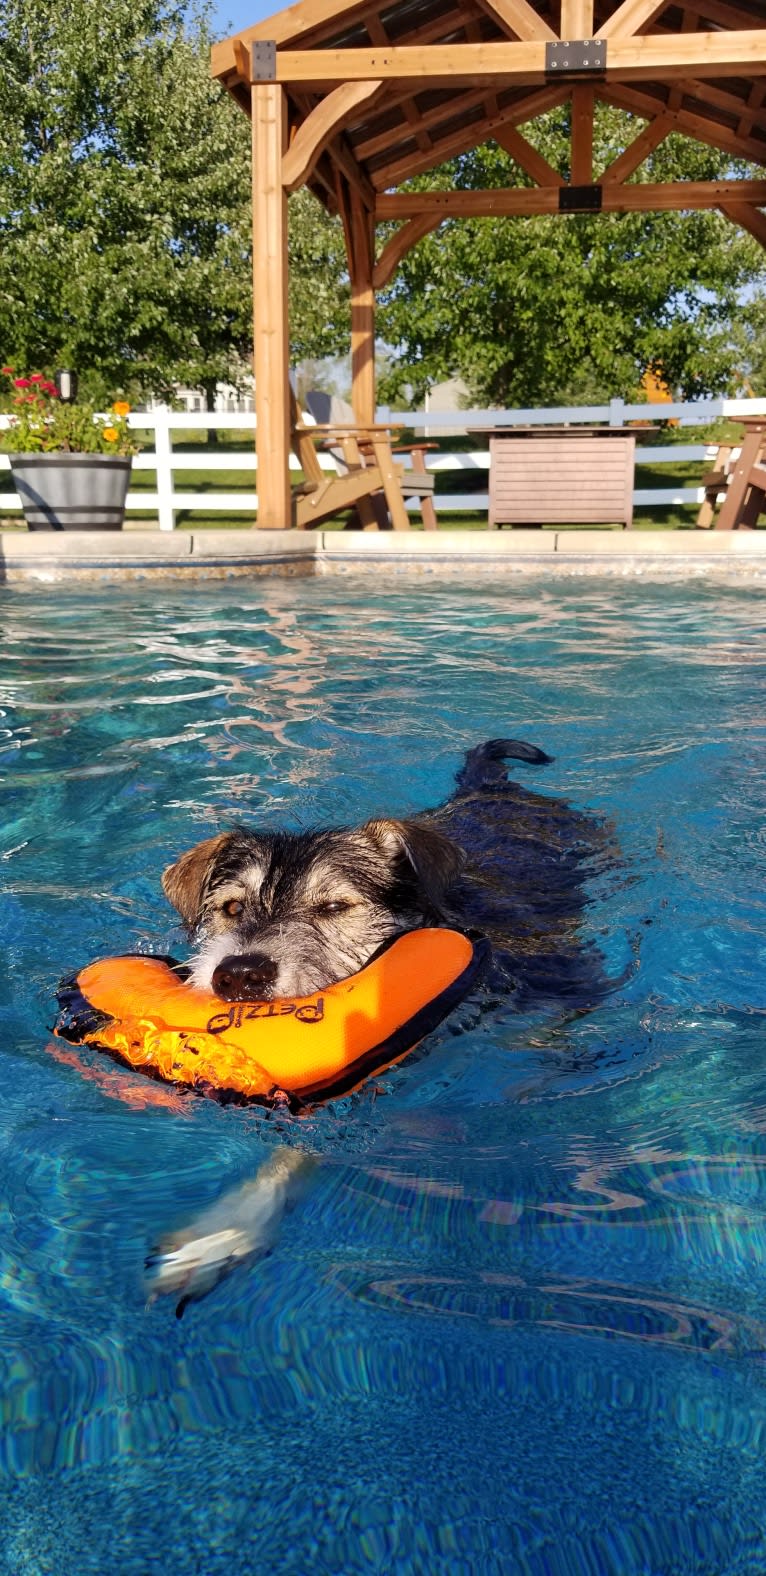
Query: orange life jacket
[[303, 1049]]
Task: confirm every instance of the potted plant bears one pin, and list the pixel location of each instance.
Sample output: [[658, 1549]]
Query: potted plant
[[70, 463]]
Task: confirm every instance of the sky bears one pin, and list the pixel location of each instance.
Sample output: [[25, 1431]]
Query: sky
[[231, 15]]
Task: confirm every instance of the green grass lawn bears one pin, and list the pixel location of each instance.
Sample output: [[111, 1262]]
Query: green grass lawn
[[234, 479]]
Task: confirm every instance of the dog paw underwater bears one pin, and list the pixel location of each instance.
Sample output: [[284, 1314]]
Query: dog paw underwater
[[240, 1228]]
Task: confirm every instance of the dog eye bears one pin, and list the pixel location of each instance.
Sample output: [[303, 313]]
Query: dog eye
[[338, 907], [232, 908]]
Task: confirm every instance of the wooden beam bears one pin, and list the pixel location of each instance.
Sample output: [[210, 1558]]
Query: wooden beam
[[754, 109], [469, 137], [319, 128], [713, 132], [582, 135], [468, 204], [527, 157], [323, 175], [271, 337], [336, 157], [650, 198], [385, 141], [380, 142], [517, 18], [342, 156], [720, 12], [243, 61], [648, 57], [747, 217], [677, 89], [629, 17], [639, 149], [283, 28], [437, 62], [473, 33], [715, 97], [400, 244], [378, 35], [328, 19], [576, 19]]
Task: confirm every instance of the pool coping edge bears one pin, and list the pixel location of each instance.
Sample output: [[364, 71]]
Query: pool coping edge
[[138, 553]]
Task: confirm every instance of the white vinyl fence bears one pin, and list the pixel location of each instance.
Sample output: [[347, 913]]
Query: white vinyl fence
[[169, 496]]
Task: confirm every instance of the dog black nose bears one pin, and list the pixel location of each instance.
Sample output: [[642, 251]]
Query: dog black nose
[[244, 976]]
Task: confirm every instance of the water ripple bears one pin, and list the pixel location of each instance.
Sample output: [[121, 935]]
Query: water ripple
[[575, 1205]]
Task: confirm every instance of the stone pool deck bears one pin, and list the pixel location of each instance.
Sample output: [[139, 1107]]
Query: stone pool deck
[[138, 555]]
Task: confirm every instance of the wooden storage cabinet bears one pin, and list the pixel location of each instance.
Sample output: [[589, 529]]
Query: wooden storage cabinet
[[574, 477]]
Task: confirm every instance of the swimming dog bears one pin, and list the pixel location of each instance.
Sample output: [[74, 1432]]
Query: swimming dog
[[286, 914], [277, 914]]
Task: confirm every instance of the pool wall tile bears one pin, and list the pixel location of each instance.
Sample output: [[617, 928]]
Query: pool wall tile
[[93, 556]]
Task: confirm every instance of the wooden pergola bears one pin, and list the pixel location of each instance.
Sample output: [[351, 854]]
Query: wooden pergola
[[353, 98]]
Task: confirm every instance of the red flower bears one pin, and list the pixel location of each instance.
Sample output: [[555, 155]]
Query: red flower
[[36, 377], [50, 388], [22, 383], [8, 371]]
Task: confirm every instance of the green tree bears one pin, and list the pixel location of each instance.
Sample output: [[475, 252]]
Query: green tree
[[750, 348], [319, 300], [125, 239], [548, 310]]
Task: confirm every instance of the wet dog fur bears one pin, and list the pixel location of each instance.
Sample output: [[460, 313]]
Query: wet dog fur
[[278, 914], [275, 913]]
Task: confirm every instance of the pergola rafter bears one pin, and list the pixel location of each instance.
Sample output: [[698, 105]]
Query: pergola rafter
[[355, 98]]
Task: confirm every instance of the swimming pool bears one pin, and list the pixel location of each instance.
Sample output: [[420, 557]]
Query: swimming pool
[[518, 1323]]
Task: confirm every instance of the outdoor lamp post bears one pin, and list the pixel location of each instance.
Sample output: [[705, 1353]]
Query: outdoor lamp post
[[66, 383]]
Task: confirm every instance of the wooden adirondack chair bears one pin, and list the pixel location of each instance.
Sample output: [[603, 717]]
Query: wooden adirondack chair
[[714, 482], [746, 493], [367, 478]]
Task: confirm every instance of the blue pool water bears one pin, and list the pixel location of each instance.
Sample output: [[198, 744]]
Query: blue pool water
[[518, 1324]]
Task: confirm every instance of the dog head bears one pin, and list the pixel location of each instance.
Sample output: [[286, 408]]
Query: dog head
[[285, 914]]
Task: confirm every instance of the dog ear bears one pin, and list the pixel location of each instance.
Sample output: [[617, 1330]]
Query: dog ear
[[435, 859], [182, 882]]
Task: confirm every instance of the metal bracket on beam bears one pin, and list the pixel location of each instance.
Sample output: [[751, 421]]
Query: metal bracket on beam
[[579, 199], [580, 57], [264, 61]]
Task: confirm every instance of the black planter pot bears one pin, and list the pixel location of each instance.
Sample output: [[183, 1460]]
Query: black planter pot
[[72, 492]]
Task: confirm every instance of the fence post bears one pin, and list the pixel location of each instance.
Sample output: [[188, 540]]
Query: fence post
[[617, 413], [163, 453]]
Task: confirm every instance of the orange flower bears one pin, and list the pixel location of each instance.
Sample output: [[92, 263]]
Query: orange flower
[[121, 408], [111, 434]]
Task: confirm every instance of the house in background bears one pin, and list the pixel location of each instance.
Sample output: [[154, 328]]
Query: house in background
[[452, 395], [228, 399]]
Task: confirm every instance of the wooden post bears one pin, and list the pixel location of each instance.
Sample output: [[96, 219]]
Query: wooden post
[[271, 339], [582, 135], [360, 235], [576, 18]]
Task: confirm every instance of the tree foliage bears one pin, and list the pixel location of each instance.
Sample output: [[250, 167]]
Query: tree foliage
[[125, 239], [319, 299], [548, 310]]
